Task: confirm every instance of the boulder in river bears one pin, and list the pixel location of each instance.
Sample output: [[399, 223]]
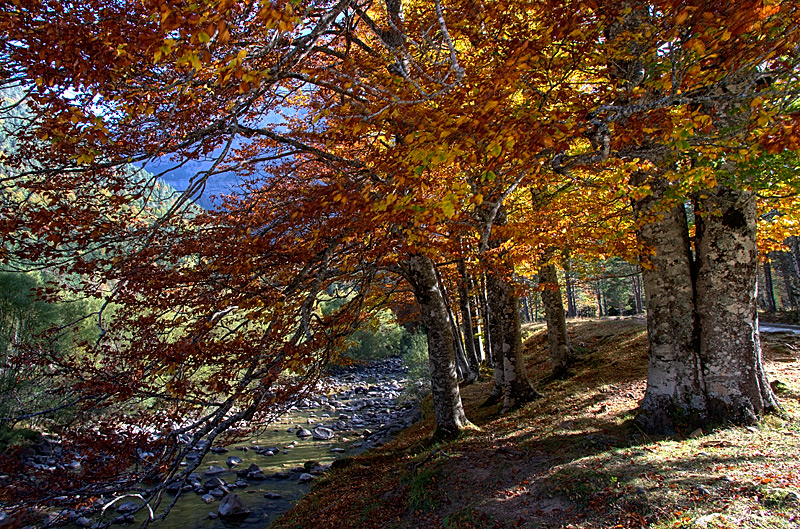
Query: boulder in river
[[232, 506], [303, 433], [214, 483], [320, 433], [305, 478], [232, 461], [219, 492], [213, 470]]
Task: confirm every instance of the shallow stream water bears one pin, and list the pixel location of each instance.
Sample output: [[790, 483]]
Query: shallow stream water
[[362, 408], [191, 512]]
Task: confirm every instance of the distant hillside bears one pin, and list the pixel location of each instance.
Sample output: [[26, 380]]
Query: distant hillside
[[179, 178], [13, 114]]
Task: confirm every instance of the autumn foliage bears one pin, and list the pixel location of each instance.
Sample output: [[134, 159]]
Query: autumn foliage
[[363, 133]]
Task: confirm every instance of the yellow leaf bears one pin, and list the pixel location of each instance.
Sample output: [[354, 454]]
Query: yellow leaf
[[682, 16]]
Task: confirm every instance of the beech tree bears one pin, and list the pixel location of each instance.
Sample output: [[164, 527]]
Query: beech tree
[[735, 76]]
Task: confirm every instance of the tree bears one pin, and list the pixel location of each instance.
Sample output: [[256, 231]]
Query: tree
[[692, 351], [561, 355]]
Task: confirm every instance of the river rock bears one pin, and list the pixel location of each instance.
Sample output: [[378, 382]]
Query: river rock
[[213, 470], [83, 522], [272, 496], [306, 478], [281, 475], [219, 450], [207, 498], [214, 483], [320, 433], [232, 506], [174, 486], [219, 492], [232, 461], [303, 433]]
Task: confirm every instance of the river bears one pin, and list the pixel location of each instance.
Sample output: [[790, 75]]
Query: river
[[363, 408]]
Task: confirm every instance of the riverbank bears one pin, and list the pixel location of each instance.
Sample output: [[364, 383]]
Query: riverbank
[[574, 458], [351, 410]]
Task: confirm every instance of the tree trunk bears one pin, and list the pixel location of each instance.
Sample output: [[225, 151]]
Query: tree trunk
[[557, 338], [599, 300], [769, 291], [674, 382], [420, 272], [491, 354], [463, 368], [636, 282], [736, 386], [526, 310], [506, 334], [466, 321], [705, 357], [569, 287], [479, 326], [789, 281]]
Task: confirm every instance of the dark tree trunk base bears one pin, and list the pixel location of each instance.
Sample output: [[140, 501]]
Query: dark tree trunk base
[[493, 398], [522, 398]]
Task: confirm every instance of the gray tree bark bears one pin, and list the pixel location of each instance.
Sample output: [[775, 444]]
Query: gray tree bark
[[506, 332], [769, 290], [674, 380], [557, 338], [492, 354], [789, 281], [466, 321], [736, 386], [420, 272], [569, 288], [705, 357]]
